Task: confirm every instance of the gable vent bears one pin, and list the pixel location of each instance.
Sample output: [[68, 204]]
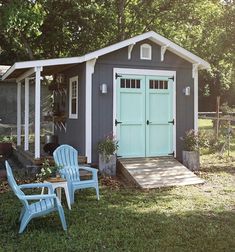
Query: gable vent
[[146, 52]]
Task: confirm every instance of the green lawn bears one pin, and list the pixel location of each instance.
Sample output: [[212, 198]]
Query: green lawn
[[189, 218], [205, 124]]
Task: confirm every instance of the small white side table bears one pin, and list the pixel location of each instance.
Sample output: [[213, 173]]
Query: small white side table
[[57, 184]]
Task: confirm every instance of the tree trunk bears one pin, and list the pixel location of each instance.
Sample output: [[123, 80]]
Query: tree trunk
[[121, 20], [28, 48]]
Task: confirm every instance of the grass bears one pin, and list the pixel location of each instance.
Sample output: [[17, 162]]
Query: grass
[[205, 124], [189, 218]]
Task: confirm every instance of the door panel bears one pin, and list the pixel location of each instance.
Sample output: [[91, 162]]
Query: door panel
[[131, 114], [159, 112], [144, 112]]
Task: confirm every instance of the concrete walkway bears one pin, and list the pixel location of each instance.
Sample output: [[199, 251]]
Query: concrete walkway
[[148, 173]]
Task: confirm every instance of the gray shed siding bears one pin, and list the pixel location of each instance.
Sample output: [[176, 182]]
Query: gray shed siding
[[102, 105], [75, 128]]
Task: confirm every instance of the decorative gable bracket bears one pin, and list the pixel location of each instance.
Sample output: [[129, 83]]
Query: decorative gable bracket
[[130, 47], [163, 50]]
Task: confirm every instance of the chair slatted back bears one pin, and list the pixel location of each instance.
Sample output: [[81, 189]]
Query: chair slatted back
[[12, 181], [71, 172], [15, 188], [65, 155]]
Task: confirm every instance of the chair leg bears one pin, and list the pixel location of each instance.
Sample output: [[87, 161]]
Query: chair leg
[[22, 213], [24, 222], [62, 217], [71, 195]]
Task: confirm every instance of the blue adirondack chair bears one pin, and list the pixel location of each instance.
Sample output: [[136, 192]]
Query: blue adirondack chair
[[46, 202], [67, 157]]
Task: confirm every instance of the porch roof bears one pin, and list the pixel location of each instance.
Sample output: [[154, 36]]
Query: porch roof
[[59, 64]]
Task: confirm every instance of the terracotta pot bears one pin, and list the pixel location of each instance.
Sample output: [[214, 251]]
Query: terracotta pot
[[5, 149]]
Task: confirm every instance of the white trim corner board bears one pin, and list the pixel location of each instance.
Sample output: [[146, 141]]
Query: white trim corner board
[[90, 66]]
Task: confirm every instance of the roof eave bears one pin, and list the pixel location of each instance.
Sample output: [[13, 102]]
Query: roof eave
[[8, 72], [42, 63]]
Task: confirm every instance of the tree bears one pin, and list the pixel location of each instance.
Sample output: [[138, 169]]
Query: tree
[[35, 29]]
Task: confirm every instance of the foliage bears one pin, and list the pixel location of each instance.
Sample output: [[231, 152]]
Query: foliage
[[215, 145], [7, 139], [46, 29], [225, 109], [108, 146], [193, 140], [180, 219], [47, 170]]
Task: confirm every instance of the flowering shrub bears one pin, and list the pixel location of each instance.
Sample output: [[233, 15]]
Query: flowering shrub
[[193, 140], [108, 146], [47, 171]]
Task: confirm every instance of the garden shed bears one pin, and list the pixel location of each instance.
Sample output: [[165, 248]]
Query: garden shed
[[144, 90]]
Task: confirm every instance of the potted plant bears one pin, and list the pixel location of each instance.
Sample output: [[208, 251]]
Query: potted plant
[[47, 171], [191, 150], [107, 155]]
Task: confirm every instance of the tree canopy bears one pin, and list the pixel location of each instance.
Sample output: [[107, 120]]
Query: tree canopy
[[35, 29]]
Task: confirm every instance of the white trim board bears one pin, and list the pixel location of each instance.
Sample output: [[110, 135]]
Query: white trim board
[[144, 72], [90, 65], [195, 77], [153, 36]]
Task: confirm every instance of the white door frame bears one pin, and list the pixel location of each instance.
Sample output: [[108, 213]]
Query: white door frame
[[144, 72]]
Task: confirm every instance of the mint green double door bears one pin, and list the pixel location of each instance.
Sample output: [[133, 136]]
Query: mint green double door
[[144, 115]]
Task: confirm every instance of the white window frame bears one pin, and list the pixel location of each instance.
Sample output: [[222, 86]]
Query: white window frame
[[74, 115], [141, 51]]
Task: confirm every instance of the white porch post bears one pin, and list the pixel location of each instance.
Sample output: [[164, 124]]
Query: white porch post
[[195, 76], [26, 115], [88, 121], [18, 113], [37, 110]]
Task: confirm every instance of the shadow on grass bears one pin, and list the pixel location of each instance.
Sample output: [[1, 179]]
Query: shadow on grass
[[121, 221], [219, 169]]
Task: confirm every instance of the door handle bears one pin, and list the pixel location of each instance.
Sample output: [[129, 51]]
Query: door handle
[[148, 122], [117, 122]]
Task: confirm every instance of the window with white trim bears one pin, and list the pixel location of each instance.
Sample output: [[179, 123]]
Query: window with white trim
[[73, 97], [146, 52]]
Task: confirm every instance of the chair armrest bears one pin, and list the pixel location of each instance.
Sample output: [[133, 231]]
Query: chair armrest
[[37, 185], [93, 170], [38, 196]]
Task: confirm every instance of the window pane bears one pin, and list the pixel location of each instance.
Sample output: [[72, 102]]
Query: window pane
[[122, 83], [146, 52], [127, 83], [137, 83], [132, 83], [166, 85], [74, 107]]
